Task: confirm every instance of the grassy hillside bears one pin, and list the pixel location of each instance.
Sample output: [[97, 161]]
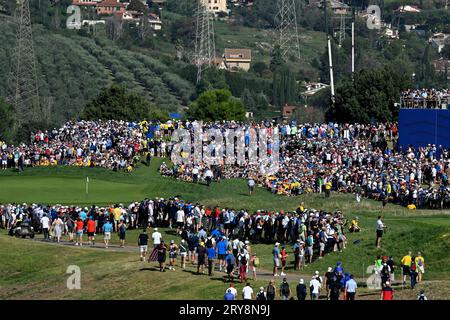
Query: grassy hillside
[[72, 69]]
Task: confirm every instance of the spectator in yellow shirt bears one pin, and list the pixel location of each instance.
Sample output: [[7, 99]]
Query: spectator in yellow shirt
[[406, 264], [420, 264]]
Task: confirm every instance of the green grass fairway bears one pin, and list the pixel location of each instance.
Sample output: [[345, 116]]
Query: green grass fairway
[[37, 270]]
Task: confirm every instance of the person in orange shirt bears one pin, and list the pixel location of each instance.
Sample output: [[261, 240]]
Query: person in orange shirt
[[91, 230], [79, 230]]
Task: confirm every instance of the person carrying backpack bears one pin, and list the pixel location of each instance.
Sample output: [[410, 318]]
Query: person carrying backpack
[[385, 273], [261, 295], [422, 296], [285, 290], [243, 260], [301, 290], [230, 261], [270, 291]]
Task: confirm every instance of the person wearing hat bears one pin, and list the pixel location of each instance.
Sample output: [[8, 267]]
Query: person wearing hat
[[276, 259], [285, 290], [107, 229], [156, 236], [173, 251], [387, 293], [201, 257], [301, 290], [261, 295], [183, 253], [315, 287]]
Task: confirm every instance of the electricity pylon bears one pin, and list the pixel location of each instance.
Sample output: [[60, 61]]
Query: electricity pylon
[[205, 47], [286, 21]]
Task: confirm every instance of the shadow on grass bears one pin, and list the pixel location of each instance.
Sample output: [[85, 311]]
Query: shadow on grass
[[216, 275]]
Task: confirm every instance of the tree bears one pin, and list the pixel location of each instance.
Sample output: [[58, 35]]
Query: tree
[[446, 51], [137, 5], [247, 100], [284, 85], [372, 96], [216, 105], [117, 103], [276, 59], [7, 121]]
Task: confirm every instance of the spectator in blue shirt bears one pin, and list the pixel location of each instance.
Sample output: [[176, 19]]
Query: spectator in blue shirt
[[211, 252], [229, 295], [350, 288], [231, 261], [221, 246]]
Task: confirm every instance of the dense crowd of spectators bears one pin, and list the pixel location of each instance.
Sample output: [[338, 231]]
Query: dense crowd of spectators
[[312, 233], [425, 98], [107, 144], [349, 158]]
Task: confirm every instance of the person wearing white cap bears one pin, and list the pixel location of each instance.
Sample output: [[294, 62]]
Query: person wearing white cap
[[276, 259], [156, 236], [261, 295], [301, 290]]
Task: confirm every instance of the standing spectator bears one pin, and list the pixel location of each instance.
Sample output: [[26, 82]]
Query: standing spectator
[[91, 230], [45, 224], [143, 244], [247, 292], [422, 295], [420, 264], [271, 290], [243, 259], [350, 289], [301, 290], [413, 272], [162, 251], [57, 228], [315, 287], [284, 256], [211, 252], [201, 254], [233, 291], [406, 265], [183, 253], [285, 290], [231, 261], [261, 295], [121, 228], [380, 230], [156, 236], [251, 185], [107, 229], [228, 295], [387, 293], [79, 232], [173, 251], [276, 259]]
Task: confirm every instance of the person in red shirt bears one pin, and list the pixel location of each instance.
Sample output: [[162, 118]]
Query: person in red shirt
[[387, 293], [284, 256], [79, 225], [91, 230]]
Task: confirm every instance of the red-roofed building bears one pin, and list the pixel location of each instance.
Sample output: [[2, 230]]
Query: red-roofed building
[[109, 7]]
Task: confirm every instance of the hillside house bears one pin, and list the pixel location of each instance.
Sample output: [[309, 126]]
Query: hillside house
[[236, 59]]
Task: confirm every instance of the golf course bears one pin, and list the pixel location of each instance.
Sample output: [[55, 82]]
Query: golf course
[[33, 269]]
